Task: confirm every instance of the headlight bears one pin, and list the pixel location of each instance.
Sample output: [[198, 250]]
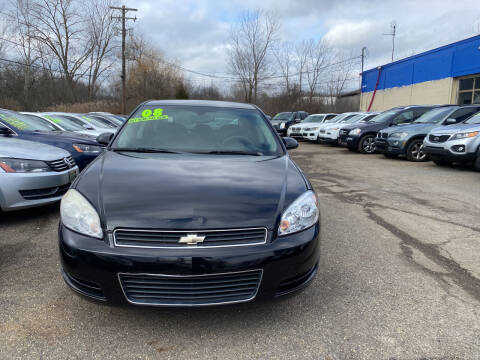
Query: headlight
[[77, 214], [465, 135], [356, 131], [282, 125], [23, 166], [335, 129], [398, 135], [301, 214], [88, 149]]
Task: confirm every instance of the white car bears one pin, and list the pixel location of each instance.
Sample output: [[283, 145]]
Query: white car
[[330, 132], [312, 133], [68, 123], [295, 130]]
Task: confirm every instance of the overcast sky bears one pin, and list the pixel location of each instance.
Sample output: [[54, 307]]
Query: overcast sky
[[196, 32]]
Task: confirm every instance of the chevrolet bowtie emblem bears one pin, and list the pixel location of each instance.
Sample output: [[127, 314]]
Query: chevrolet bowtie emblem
[[191, 239]]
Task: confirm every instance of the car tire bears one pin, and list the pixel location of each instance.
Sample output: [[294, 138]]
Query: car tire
[[415, 151], [476, 163], [391, 156], [366, 144]]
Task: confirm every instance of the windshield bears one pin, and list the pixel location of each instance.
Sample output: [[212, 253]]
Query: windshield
[[475, 119], [107, 117], [25, 122], [97, 122], [64, 122], [283, 116], [313, 119], [354, 119], [337, 118], [383, 116], [198, 129], [433, 116]]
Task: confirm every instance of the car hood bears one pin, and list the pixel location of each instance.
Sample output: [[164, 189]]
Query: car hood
[[24, 149], [190, 191], [65, 136], [412, 128], [93, 133], [456, 128]]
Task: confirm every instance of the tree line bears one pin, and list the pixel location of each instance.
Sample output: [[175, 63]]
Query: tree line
[[65, 54]]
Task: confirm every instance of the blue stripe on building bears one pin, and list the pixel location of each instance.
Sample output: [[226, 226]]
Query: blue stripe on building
[[453, 60]]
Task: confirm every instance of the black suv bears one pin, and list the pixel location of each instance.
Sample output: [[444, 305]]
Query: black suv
[[361, 136], [282, 121]]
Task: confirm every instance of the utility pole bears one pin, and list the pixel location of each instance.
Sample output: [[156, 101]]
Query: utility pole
[[363, 56], [393, 26], [124, 11]]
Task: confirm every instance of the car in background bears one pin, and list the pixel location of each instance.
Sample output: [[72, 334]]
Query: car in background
[[295, 131], [407, 140], [110, 118], [83, 148], [62, 123], [33, 174], [282, 121], [361, 137], [89, 121], [312, 133], [331, 132], [458, 143]]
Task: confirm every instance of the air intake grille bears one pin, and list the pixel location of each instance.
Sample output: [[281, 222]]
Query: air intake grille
[[210, 238], [62, 164], [143, 289], [45, 193]]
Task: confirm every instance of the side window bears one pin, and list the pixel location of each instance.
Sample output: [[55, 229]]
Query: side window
[[328, 117], [463, 114], [303, 115], [403, 118]]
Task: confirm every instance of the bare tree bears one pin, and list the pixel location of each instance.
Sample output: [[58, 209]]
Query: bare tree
[[252, 39], [317, 58], [301, 53], [102, 31], [285, 57], [60, 26], [338, 76]]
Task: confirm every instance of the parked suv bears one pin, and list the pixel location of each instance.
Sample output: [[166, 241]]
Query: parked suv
[[295, 131], [455, 143], [329, 133], [407, 140], [361, 137], [312, 133], [282, 121]]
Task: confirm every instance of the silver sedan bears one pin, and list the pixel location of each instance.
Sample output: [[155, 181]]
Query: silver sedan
[[33, 174]]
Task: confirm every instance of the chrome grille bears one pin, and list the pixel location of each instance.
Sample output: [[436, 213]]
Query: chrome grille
[[168, 239], [62, 164], [190, 290]]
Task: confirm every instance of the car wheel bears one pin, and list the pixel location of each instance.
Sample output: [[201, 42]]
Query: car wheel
[[476, 163], [367, 144], [415, 152], [390, 156]]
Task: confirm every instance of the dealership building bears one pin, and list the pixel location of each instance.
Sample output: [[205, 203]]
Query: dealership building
[[447, 75]]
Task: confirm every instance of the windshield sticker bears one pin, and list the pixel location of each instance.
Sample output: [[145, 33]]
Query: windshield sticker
[[86, 118], [19, 124], [148, 115], [52, 119]]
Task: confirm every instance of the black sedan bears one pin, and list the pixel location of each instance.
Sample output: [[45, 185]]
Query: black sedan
[[193, 203]]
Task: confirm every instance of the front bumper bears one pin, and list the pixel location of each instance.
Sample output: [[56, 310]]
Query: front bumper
[[25, 190], [389, 146], [449, 150], [330, 136], [351, 141], [311, 135], [92, 267]]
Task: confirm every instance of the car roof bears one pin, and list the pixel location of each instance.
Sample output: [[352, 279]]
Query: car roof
[[212, 103]]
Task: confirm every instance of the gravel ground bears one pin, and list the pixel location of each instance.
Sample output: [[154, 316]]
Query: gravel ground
[[399, 279]]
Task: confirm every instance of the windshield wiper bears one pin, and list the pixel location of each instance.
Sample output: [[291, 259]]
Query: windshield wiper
[[146, 150], [231, 152]]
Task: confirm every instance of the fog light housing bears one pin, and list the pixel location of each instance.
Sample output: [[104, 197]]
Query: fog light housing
[[458, 148], [395, 143]]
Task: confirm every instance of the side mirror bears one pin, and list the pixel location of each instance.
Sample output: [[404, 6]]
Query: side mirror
[[5, 131], [290, 143], [104, 138], [450, 121]]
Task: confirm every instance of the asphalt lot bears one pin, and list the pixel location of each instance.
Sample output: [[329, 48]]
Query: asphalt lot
[[399, 279]]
